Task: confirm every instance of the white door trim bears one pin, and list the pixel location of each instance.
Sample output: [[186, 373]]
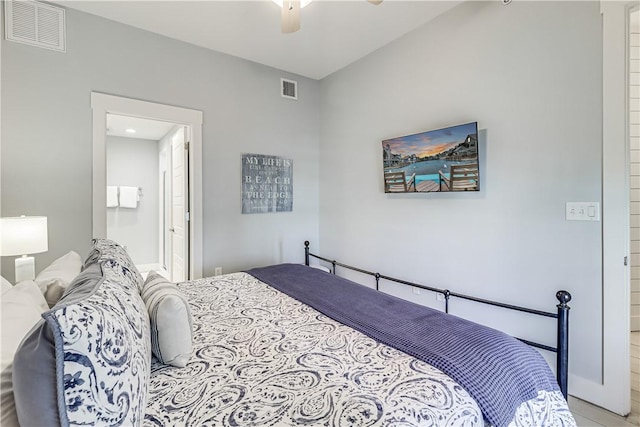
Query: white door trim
[[613, 391], [101, 104]]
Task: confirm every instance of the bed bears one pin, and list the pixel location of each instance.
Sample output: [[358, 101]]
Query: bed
[[281, 345]]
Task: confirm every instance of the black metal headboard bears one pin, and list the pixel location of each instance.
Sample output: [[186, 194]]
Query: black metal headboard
[[562, 315]]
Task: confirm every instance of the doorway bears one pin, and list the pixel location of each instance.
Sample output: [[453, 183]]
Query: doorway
[[184, 243], [147, 159]]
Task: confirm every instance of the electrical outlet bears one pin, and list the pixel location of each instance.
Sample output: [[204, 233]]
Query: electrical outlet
[[416, 290], [440, 297], [217, 271]]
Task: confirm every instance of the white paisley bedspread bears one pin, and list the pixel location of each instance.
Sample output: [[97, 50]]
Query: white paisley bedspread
[[262, 358]]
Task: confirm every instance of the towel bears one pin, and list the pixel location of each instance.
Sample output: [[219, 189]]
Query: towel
[[129, 197], [112, 196]]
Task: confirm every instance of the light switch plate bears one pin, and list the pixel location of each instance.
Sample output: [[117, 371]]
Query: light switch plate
[[582, 211]]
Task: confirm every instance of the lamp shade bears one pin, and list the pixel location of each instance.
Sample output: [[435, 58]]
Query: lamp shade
[[23, 235]]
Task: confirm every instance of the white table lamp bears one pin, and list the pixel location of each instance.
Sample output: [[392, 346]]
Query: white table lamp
[[23, 235]]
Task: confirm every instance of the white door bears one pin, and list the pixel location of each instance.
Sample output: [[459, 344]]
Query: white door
[[164, 167], [612, 391], [179, 203]]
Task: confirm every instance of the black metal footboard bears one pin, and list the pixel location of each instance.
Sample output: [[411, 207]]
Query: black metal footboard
[[562, 314]]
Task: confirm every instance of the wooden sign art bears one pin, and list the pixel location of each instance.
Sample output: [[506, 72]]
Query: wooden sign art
[[267, 184]]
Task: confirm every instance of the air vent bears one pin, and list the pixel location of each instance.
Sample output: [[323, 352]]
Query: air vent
[[289, 89], [35, 24]]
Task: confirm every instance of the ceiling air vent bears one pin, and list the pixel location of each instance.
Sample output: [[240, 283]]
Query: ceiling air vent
[[289, 89], [35, 23]]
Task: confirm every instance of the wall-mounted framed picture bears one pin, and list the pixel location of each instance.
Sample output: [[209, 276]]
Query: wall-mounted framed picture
[[441, 160], [267, 184]]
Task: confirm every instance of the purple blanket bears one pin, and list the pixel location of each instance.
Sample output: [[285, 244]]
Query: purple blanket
[[497, 370]]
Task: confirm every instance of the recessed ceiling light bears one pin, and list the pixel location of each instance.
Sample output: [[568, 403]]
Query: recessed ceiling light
[[130, 130]]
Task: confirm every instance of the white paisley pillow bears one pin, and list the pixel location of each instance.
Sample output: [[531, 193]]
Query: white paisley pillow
[[114, 321]]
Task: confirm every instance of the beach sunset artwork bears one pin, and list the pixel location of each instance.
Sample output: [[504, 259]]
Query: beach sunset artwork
[[440, 160]]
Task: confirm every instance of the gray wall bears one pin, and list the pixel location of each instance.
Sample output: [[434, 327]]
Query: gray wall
[[133, 162], [530, 74], [46, 135]]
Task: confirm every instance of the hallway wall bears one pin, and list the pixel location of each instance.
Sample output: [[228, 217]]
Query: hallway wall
[[134, 162]]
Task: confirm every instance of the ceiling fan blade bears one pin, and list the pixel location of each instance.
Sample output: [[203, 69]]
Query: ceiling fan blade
[[290, 22], [375, 2]]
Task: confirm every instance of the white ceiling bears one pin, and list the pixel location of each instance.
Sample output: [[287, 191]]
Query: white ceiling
[[333, 34], [144, 129]]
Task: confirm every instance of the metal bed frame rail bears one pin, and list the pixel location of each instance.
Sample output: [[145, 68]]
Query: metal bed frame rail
[[562, 315]]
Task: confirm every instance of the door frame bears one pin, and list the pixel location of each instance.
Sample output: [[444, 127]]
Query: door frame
[[103, 104]]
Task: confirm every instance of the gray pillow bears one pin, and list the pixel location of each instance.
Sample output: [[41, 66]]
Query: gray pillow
[[170, 319], [88, 362], [21, 309], [34, 366], [34, 379]]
